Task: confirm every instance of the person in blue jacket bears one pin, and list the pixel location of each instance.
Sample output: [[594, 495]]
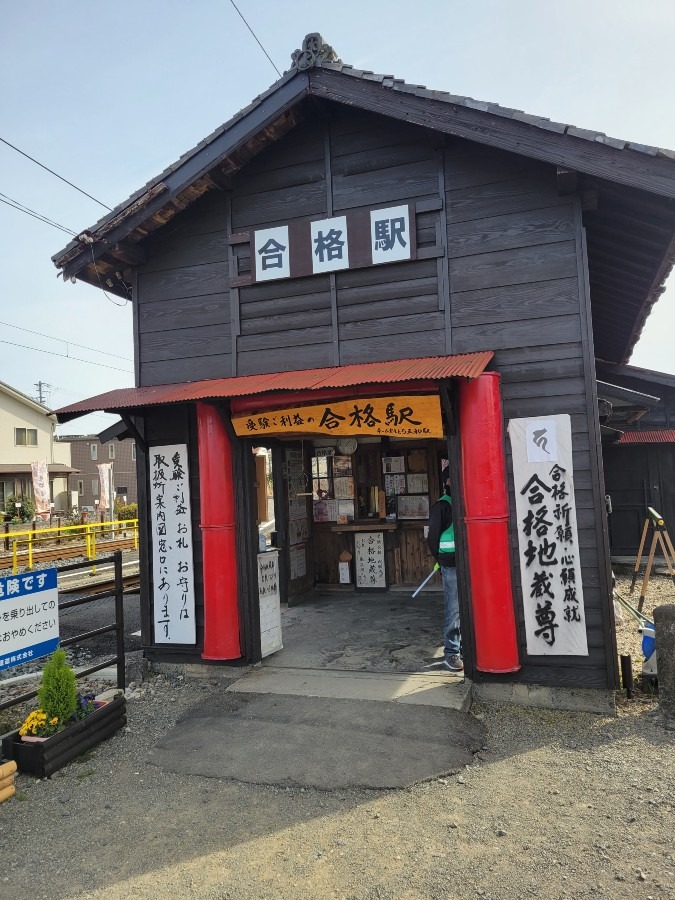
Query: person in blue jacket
[[441, 542]]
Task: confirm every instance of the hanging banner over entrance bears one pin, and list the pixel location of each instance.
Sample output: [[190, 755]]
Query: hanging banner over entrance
[[411, 416], [548, 543]]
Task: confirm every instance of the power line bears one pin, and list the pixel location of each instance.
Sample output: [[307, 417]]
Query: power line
[[52, 172], [25, 208], [66, 356], [30, 212], [256, 39], [67, 343]]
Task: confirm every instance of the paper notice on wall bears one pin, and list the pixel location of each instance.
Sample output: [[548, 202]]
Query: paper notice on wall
[[550, 569], [369, 560], [172, 560], [394, 484], [270, 602]]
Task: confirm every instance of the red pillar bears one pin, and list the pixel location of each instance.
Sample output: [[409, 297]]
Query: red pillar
[[218, 523], [486, 516]]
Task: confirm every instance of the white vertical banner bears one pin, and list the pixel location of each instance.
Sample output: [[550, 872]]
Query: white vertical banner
[[270, 602], [172, 562], [40, 473], [104, 485], [548, 544]]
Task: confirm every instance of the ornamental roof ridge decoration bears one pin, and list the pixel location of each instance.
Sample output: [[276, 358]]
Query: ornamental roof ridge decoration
[[314, 48]]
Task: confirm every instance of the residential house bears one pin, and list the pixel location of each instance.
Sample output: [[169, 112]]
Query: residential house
[[87, 452], [27, 435]]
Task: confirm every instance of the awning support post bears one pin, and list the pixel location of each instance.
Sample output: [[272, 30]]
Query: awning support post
[[218, 524]]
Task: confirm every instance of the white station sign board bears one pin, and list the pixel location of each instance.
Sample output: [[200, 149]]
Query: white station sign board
[[29, 617]]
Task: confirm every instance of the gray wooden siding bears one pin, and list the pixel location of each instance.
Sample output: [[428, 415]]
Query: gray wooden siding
[[184, 316], [514, 288]]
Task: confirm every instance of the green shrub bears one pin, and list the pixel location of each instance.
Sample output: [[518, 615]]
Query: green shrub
[[57, 695], [124, 513], [27, 511]]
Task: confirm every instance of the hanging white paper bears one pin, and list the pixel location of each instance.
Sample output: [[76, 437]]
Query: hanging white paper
[[270, 603], [173, 580], [548, 543], [369, 560]]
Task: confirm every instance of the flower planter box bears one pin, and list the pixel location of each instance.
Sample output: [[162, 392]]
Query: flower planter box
[[44, 758]]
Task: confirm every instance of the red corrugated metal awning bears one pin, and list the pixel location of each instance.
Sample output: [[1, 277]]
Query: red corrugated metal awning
[[662, 436], [432, 368]]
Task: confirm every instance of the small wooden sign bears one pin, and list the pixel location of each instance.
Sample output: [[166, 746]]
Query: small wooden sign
[[414, 416]]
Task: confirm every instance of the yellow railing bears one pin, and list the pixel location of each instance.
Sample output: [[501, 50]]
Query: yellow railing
[[33, 540]]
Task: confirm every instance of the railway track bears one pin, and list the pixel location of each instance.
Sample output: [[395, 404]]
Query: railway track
[[129, 582], [64, 551]]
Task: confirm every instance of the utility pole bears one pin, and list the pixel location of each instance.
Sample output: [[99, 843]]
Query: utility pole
[[42, 392]]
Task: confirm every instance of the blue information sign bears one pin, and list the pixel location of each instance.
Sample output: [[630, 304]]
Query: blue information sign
[[29, 617]]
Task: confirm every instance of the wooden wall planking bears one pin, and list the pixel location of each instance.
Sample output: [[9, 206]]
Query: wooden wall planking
[[514, 253], [182, 298]]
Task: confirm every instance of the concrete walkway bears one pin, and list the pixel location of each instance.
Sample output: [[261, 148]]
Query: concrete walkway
[[318, 742], [353, 700]]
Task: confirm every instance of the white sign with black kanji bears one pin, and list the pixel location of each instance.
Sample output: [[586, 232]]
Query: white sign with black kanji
[[548, 542], [172, 560], [330, 245], [390, 234], [272, 253]]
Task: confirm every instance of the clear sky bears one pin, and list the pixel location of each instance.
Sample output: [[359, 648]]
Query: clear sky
[[108, 94]]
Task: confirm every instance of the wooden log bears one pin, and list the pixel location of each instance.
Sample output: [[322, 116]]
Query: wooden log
[[6, 782], [8, 768], [6, 793]]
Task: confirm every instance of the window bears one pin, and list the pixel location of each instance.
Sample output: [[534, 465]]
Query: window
[[80, 487], [332, 488], [111, 450], [94, 487], [133, 451], [25, 437], [94, 451]]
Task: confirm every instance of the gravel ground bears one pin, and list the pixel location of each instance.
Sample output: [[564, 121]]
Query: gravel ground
[[558, 805]]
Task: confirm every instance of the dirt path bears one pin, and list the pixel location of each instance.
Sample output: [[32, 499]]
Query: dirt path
[[559, 805]]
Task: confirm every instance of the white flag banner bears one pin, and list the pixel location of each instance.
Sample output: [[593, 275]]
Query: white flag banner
[[104, 485], [41, 486], [548, 543]]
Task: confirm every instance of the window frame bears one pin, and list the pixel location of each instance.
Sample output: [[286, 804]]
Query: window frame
[[93, 452], [26, 431]]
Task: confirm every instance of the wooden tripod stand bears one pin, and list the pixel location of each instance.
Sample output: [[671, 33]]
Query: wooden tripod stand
[[661, 536]]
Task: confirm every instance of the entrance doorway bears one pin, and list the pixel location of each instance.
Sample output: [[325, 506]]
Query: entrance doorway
[[329, 501]]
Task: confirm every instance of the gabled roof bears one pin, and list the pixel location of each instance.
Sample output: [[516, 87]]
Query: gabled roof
[[23, 398], [643, 375], [637, 180]]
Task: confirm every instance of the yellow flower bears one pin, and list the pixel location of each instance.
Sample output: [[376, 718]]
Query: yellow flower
[[54, 721]]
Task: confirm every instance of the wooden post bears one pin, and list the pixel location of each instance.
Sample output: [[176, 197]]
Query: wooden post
[[638, 558]]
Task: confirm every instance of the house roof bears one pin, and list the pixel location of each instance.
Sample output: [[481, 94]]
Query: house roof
[[23, 398], [639, 374], [631, 236], [654, 436], [466, 365]]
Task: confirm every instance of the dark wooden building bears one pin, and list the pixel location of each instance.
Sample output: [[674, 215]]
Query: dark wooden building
[[638, 450], [525, 248]]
